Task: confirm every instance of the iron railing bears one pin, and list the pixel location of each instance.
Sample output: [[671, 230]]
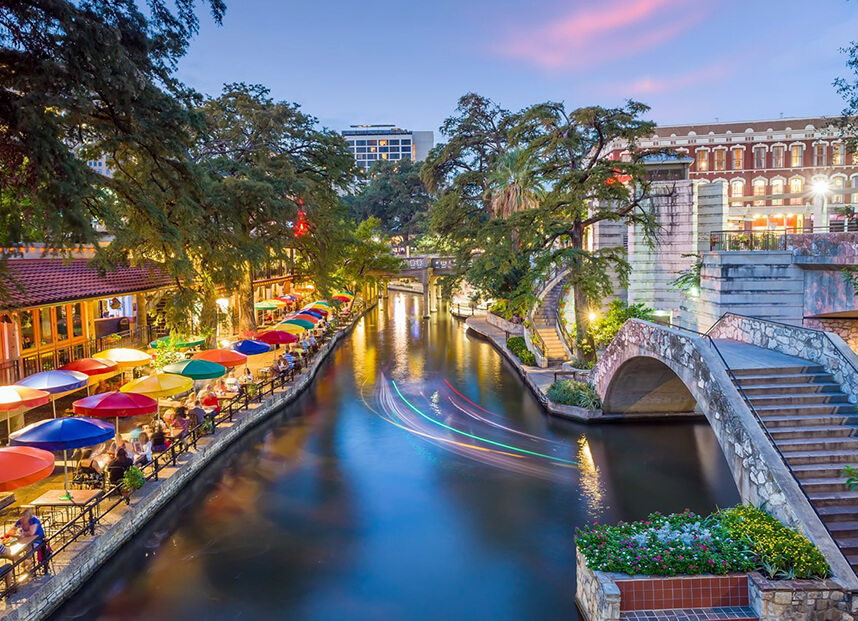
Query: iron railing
[[560, 320], [770, 240], [93, 513]]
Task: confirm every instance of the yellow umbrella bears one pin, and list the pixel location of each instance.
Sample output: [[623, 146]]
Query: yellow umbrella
[[159, 385], [291, 328], [279, 303], [125, 357]]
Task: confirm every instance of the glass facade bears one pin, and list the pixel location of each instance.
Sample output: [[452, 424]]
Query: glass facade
[[370, 146]]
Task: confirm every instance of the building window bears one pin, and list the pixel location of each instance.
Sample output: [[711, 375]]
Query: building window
[[28, 329], [837, 185], [720, 159], [738, 159], [62, 323], [777, 157], [737, 190], [837, 155], [759, 158], [796, 186], [759, 190], [796, 153], [854, 187], [46, 331], [819, 155], [777, 190], [77, 320]]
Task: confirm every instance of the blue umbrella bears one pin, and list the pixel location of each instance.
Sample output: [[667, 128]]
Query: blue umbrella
[[313, 312], [55, 382], [62, 434], [249, 347]]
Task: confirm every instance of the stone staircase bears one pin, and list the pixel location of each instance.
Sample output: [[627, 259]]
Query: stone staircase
[[816, 428], [543, 320]]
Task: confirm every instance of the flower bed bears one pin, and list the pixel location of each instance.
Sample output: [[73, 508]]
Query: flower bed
[[742, 538]]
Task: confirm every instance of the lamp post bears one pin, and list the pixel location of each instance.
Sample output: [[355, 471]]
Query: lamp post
[[820, 189]]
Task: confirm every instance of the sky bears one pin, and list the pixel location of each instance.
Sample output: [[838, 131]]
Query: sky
[[406, 62]]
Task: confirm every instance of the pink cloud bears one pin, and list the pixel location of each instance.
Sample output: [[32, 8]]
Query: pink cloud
[[648, 85], [615, 29]]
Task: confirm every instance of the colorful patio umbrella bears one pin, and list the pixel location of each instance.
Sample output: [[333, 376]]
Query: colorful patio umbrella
[[344, 292], [196, 369], [115, 404], [125, 357], [20, 397], [306, 317], [55, 383], [22, 465], [159, 385], [62, 434], [289, 297], [291, 328], [342, 298], [182, 342], [264, 306], [277, 302], [249, 347], [320, 303], [226, 357], [276, 337], [321, 314], [299, 322], [91, 366]]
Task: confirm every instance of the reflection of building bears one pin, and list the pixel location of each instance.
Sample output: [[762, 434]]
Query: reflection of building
[[768, 166], [372, 143]]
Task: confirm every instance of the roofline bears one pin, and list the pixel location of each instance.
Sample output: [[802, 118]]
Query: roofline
[[736, 122]]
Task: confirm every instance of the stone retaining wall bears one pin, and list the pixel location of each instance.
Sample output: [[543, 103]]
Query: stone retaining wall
[[830, 351], [596, 593], [801, 600], [514, 329], [148, 501], [847, 329]]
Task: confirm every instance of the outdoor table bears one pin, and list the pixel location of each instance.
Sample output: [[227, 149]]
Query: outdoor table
[[18, 549], [51, 500]]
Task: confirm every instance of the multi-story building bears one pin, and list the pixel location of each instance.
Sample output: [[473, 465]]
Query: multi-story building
[[776, 171], [371, 143]]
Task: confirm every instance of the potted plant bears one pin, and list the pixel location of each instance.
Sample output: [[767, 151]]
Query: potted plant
[[132, 480]]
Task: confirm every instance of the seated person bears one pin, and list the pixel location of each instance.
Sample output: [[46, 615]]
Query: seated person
[[220, 387], [209, 400], [117, 466], [119, 443], [6, 568], [143, 449], [159, 439], [179, 426], [231, 382], [196, 414], [28, 525], [247, 376]]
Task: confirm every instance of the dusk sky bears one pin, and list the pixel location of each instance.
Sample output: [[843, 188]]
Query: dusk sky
[[407, 62]]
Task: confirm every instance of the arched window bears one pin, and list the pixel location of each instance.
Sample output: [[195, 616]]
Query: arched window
[[737, 190], [760, 190], [796, 186], [777, 188]]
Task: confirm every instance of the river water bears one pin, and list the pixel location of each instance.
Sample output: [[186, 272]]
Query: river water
[[416, 479]]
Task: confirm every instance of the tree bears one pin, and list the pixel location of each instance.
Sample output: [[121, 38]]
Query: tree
[[81, 80], [368, 254], [604, 329], [395, 195]]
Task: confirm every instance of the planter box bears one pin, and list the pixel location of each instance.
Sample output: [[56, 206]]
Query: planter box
[[514, 329]]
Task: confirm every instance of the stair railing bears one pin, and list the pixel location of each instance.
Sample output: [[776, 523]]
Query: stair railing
[[560, 320]]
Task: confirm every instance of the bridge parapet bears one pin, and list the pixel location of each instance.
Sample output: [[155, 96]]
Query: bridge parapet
[[647, 359]]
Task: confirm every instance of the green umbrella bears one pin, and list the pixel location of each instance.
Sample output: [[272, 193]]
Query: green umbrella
[[301, 322], [182, 342], [263, 306], [196, 369]]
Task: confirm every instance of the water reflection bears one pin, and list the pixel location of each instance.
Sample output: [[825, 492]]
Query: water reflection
[[463, 510]]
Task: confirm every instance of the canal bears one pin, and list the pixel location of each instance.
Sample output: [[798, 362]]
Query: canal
[[416, 479]]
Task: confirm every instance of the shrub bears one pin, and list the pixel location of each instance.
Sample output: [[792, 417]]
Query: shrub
[[742, 538], [133, 478], [781, 551], [579, 394], [518, 346], [605, 328]]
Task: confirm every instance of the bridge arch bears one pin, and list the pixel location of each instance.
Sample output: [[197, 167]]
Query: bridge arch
[[646, 385]]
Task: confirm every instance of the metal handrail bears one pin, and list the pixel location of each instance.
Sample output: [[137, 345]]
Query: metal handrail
[[537, 341], [560, 320], [706, 335], [94, 512]]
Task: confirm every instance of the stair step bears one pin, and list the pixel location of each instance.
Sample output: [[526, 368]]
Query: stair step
[[815, 431], [823, 408], [805, 399], [777, 422], [819, 444], [838, 515], [753, 390], [784, 378], [799, 458], [822, 485], [848, 529], [726, 613], [785, 370], [818, 471], [834, 499]]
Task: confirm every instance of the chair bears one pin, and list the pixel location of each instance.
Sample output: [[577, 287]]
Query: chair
[[115, 474]]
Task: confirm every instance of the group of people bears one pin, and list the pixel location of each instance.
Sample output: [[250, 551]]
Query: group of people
[[28, 525]]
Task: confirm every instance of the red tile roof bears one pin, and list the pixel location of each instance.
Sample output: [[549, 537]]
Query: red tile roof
[[36, 282]]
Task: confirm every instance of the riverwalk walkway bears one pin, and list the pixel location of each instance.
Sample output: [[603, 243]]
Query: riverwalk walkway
[[120, 521]]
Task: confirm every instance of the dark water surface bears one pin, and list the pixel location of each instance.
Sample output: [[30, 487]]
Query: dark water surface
[[416, 479]]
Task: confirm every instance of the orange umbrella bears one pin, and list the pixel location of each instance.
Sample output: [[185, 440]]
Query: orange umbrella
[[223, 357], [20, 397], [22, 465]]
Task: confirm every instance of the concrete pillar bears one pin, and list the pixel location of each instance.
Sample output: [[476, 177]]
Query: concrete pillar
[[820, 213], [384, 289]]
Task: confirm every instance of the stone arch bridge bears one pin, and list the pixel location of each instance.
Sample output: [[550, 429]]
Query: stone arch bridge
[[771, 443], [425, 269]]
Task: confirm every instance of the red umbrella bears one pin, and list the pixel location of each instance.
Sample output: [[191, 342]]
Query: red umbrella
[[22, 465], [115, 404], [223, 357], [342, 298], [91, 366], [276, 337], [306, 317]]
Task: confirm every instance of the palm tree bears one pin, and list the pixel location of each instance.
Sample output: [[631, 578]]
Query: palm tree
[[515, 184]]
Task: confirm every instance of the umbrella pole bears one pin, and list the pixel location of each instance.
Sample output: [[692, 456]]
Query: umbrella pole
[[54, 405], [67, 495]]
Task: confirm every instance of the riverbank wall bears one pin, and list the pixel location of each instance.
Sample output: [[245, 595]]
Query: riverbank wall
[[39, 599]]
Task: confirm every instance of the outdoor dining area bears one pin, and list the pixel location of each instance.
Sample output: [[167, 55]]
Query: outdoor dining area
[[131, 420]]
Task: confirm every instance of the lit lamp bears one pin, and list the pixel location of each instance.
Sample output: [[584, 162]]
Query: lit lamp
[[593, 316], [820, 189]]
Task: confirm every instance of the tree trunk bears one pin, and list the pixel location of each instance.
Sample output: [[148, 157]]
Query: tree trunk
[[208, 315], [246, 313]]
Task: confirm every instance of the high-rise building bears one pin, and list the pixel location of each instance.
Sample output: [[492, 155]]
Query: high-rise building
[[371, 143]]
